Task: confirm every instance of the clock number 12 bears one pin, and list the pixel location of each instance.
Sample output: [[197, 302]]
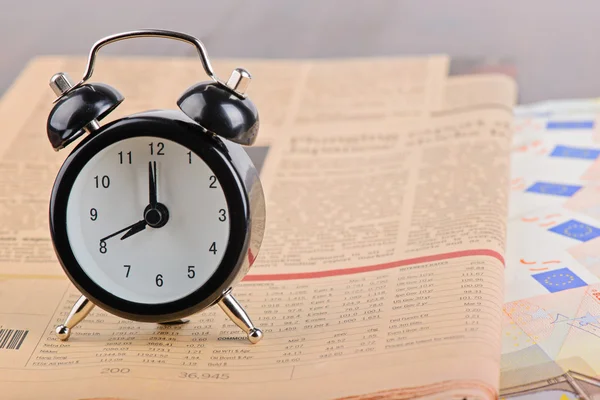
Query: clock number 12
[[160, 146]]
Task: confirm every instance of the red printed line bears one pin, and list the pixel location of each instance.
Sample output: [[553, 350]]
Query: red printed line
[[371, 268]]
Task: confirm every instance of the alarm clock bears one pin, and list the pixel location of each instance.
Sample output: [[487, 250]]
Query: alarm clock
[[156, 216]]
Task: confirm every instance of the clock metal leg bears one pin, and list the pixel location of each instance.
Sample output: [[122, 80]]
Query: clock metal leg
[[79, 311], [176, 322], [234, 310]]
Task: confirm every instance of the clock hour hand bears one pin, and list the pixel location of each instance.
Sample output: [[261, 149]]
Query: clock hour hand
[[130, 227], [141, 225], [135, 228]]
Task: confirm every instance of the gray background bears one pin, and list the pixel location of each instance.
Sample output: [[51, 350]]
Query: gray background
[[552, 43]]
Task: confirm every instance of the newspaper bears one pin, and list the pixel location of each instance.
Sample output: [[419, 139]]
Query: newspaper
[[381, 274]]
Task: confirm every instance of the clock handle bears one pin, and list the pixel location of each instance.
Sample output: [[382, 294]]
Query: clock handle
[[155, 33], [238, 315], [80, 310]]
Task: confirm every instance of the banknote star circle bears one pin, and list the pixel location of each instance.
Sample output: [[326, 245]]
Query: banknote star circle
[[578, 230], [556, 189], [561, 280]]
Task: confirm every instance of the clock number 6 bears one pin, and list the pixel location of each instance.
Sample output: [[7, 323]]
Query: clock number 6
[[159, 280], [103, 247]]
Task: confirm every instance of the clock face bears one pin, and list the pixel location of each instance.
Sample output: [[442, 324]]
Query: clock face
[[147, 220]]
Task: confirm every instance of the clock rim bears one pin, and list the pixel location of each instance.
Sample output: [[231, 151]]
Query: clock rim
[[215, 154]]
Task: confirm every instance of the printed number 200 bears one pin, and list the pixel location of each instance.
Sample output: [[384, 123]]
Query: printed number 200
[[115, 371]]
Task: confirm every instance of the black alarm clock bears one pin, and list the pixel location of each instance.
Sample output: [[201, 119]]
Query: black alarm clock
[[156, 216]]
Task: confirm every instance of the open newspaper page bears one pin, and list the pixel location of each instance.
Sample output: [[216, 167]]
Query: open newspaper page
[[381, 273]]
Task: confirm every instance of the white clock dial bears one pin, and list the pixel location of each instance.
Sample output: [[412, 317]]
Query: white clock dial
[[156, 264]]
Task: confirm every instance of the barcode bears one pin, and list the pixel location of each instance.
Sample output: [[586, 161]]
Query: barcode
[[12, 339]]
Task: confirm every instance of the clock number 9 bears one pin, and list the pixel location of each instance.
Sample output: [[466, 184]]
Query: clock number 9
[[159, 280], [103, 249], [93, 214]]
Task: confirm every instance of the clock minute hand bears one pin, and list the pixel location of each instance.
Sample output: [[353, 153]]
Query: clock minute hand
[[152, 183], [141, 225]]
